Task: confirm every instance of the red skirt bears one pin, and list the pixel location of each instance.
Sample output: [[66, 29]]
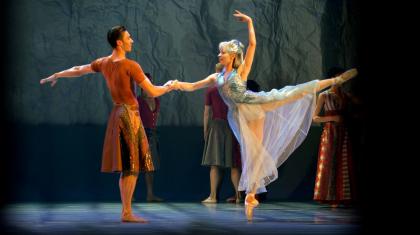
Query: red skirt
[[125, 146], [335, 176]]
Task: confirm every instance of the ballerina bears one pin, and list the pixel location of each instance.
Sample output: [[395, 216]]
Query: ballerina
[[269, 126]]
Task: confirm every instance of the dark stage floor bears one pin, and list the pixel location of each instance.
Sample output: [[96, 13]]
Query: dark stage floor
[[179, 218]]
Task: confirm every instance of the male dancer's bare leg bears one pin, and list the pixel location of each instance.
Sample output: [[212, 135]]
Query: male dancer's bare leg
[[127, 185]]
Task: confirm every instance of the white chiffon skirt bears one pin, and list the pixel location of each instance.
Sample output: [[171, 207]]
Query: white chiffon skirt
[[283, 126]]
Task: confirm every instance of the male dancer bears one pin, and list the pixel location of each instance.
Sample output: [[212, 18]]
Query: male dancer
[[126, 149]]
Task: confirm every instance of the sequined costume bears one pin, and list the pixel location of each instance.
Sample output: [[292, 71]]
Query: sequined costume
[[125, 146], [285, 125], [334, 177]]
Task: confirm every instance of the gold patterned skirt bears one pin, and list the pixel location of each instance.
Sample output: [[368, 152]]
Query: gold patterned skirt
[[125, 146]]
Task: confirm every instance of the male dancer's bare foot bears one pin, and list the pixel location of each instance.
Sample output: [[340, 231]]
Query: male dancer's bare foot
[[130, 218], [349, 74]]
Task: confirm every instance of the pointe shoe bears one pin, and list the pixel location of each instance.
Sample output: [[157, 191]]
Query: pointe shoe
[[132, 219], [209, 200], [250, 204], [349, 74]]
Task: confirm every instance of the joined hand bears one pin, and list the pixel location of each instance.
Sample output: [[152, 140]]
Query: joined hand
[[172, 84]]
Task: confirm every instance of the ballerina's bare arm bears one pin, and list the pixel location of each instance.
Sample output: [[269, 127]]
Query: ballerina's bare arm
[[245, 68], [75, 71], [188, 86]]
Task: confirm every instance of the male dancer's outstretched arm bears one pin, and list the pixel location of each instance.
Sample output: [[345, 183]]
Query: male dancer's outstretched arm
[[78, 71], [75, 71]]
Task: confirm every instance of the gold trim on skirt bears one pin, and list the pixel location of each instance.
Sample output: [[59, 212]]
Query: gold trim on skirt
[[124, 124]]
